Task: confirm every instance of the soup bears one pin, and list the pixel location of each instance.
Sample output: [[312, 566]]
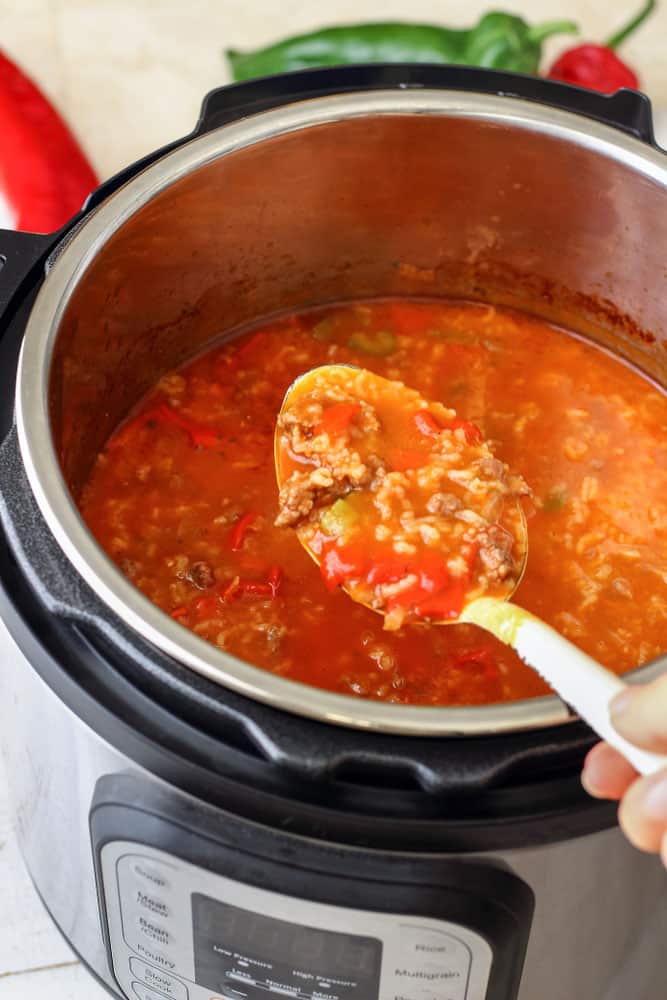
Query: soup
[[184, 499]]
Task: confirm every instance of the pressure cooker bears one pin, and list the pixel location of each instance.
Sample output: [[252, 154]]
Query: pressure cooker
[[201, 829]]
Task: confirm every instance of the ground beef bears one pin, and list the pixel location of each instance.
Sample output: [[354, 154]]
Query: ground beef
[[493, 468], [129, 567], [495, 552], [305, 490], [444, 503], [200, 575], [339, 468]]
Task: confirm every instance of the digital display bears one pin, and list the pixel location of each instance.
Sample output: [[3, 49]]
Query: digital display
[[280, 951]]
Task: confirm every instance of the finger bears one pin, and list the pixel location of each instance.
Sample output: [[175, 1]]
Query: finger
[[643, 812], [606, 775], [663, 853], [640, 714]]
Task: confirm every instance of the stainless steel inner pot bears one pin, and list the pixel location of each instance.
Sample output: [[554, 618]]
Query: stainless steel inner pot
[[423, 192]]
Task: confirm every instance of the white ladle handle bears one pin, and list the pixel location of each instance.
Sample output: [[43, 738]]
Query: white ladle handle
[[579, 680]]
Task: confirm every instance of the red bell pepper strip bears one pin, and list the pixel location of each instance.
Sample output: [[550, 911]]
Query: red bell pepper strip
[[472, 433], [435, 594], [233, 590], [240, 530], [200, 436], [248, 346], [480, 660], [402, 459], [597, 66], [254, 588], [337, 419], [44, 174], [427, 424], [268, 588], [341, 563], [429, 427], [446, 603]]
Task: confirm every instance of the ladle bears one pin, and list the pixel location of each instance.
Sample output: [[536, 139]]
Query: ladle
[[579, 680]]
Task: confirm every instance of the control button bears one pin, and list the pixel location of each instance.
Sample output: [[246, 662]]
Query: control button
[[153, 955], [152, 903], [430, 945], [146, 993], [151, 929], [158, 979], [150, 874], [441, 954]]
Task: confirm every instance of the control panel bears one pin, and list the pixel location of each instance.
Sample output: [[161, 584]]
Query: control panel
[[178, 931]]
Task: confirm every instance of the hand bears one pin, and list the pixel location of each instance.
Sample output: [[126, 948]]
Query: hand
[[640, 715]]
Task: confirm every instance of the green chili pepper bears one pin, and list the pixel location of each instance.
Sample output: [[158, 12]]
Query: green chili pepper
[[379, 344], [498, 41]]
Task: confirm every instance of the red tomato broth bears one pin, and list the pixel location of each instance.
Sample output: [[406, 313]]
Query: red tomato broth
[[585, 431]]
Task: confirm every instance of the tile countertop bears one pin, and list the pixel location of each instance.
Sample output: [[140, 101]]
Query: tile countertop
[[130, 76]]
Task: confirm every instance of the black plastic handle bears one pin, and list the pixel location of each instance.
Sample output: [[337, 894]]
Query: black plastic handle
[[20, 255], [626, 110]]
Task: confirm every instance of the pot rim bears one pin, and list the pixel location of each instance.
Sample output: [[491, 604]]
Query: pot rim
[[53, 496]]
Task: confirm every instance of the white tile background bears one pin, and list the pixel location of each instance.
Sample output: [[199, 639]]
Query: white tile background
[[130, 75]]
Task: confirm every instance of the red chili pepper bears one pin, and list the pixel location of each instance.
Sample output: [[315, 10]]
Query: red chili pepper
[[44, 174], [240, 530], [597, 66], [337, 419]]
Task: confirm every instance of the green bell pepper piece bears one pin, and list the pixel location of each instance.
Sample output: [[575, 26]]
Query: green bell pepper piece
[[497, 41], [378, 344], [339, 519]]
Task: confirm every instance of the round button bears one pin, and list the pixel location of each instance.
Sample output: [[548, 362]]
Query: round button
[[430, 945], [150, 874], [153, 955], [154, 931], [158, 979], [145, 992], [151, 903]]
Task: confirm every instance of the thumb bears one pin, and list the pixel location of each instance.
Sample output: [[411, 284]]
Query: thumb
[[640, 714]]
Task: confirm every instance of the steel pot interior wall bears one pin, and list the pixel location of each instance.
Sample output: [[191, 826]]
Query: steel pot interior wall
[[422, 192], [368, 205]]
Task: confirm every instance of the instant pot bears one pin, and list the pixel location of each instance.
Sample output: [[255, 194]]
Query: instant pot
[[201, 829]]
